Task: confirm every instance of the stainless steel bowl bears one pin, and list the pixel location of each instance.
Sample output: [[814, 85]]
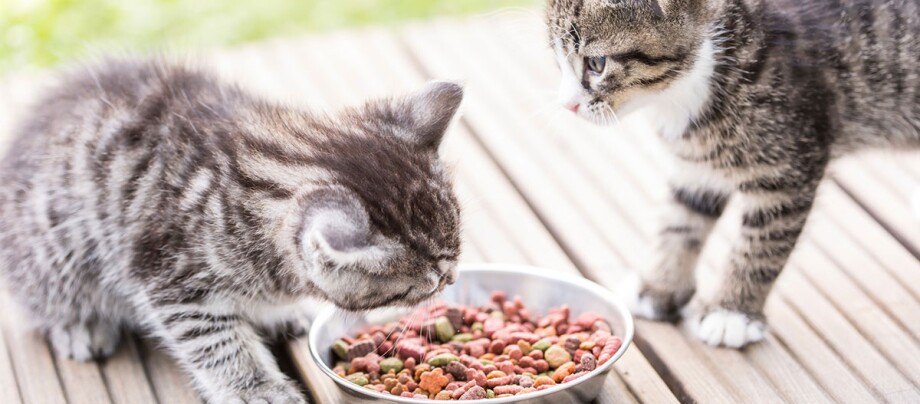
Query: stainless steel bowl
[[540, 289]]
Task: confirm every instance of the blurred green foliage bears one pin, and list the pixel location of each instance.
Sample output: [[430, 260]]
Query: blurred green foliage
[[45, 32]]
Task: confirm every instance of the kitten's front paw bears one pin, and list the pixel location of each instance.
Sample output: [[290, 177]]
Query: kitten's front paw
[[84, 342], [283, 392], [646, 302], [717, 326]]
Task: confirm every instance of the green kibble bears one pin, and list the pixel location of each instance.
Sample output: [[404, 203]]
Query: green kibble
[[542, 345], [486, 362], [465, 337], [341, 349], [393, 364], [443, 328], [490, 393], [498, 314], [477, 326], [443, 359], [357, 378], [344, 365]]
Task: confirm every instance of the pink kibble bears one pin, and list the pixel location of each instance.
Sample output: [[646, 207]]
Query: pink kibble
[[497, 346], [499, 381], [475, 393], [515, 352], [491, 325], [477, 376], [573, 376], [498, 297], [359, 364], [541, 365], [509, 389], [463, 389], [506, 367], [536, 354]]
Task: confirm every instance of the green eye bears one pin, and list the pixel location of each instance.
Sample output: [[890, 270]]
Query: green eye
[[596, 64]]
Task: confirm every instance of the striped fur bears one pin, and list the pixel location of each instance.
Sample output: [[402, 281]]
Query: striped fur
[[754, 98], [149, 195]]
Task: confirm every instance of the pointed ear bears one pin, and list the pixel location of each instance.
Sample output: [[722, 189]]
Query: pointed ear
[[430, 110], [337, 228]]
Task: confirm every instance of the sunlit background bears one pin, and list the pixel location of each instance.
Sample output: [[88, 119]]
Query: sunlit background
[[41, 33]]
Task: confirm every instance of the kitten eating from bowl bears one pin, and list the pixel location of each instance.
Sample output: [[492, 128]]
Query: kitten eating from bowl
[[151, 195]]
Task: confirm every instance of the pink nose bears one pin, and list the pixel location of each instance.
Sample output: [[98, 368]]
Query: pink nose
[[573, 106]]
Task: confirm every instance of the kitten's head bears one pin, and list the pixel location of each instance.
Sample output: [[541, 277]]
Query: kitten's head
[[385, 230], [615, 54]]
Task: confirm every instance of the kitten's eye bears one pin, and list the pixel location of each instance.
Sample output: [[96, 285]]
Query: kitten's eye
[[596, 64]]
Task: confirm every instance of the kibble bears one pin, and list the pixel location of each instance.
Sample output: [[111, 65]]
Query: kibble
[[499, 349]]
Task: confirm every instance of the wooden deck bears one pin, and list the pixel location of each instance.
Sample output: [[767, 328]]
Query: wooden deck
[[543, 188]]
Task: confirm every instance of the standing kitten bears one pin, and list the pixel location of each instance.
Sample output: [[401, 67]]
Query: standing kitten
[[754, 98], [150, 195]]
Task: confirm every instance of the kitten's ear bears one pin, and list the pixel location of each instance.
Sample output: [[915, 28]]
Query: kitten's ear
[[430, 111], [337, 228]]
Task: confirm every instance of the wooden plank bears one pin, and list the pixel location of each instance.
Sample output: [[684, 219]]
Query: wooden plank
[[859, 353], [812, 352], [9, 390], [170, 384], [82, 381], [32, 359], [880, 201], [858, 224], [866, 273], [125, 376]]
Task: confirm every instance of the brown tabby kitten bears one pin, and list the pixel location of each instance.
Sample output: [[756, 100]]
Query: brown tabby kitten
[[754, 98], [150, 195]]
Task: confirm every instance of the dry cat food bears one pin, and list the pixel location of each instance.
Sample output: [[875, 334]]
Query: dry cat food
[[455, 352]]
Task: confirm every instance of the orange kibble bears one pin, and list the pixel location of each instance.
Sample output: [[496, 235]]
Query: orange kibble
[[489, 356], [543, 381], [587, 345], [434, 381], [563, 371]]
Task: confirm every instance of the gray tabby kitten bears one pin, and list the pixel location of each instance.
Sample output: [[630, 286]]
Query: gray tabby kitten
[[753, 98], [149, 195]]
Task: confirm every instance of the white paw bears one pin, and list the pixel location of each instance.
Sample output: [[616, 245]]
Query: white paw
[[84, 342], [629, 290], [727, 328]]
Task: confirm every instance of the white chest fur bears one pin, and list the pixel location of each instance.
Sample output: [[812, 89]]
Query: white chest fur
[[670, 112]]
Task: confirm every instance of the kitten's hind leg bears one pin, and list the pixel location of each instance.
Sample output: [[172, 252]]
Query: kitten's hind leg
[[668, 284], [84, 341]]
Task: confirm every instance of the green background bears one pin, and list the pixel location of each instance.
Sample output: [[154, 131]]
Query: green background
[[39, 33]]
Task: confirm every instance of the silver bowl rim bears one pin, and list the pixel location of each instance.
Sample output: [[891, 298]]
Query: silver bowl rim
[[524, 270]]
